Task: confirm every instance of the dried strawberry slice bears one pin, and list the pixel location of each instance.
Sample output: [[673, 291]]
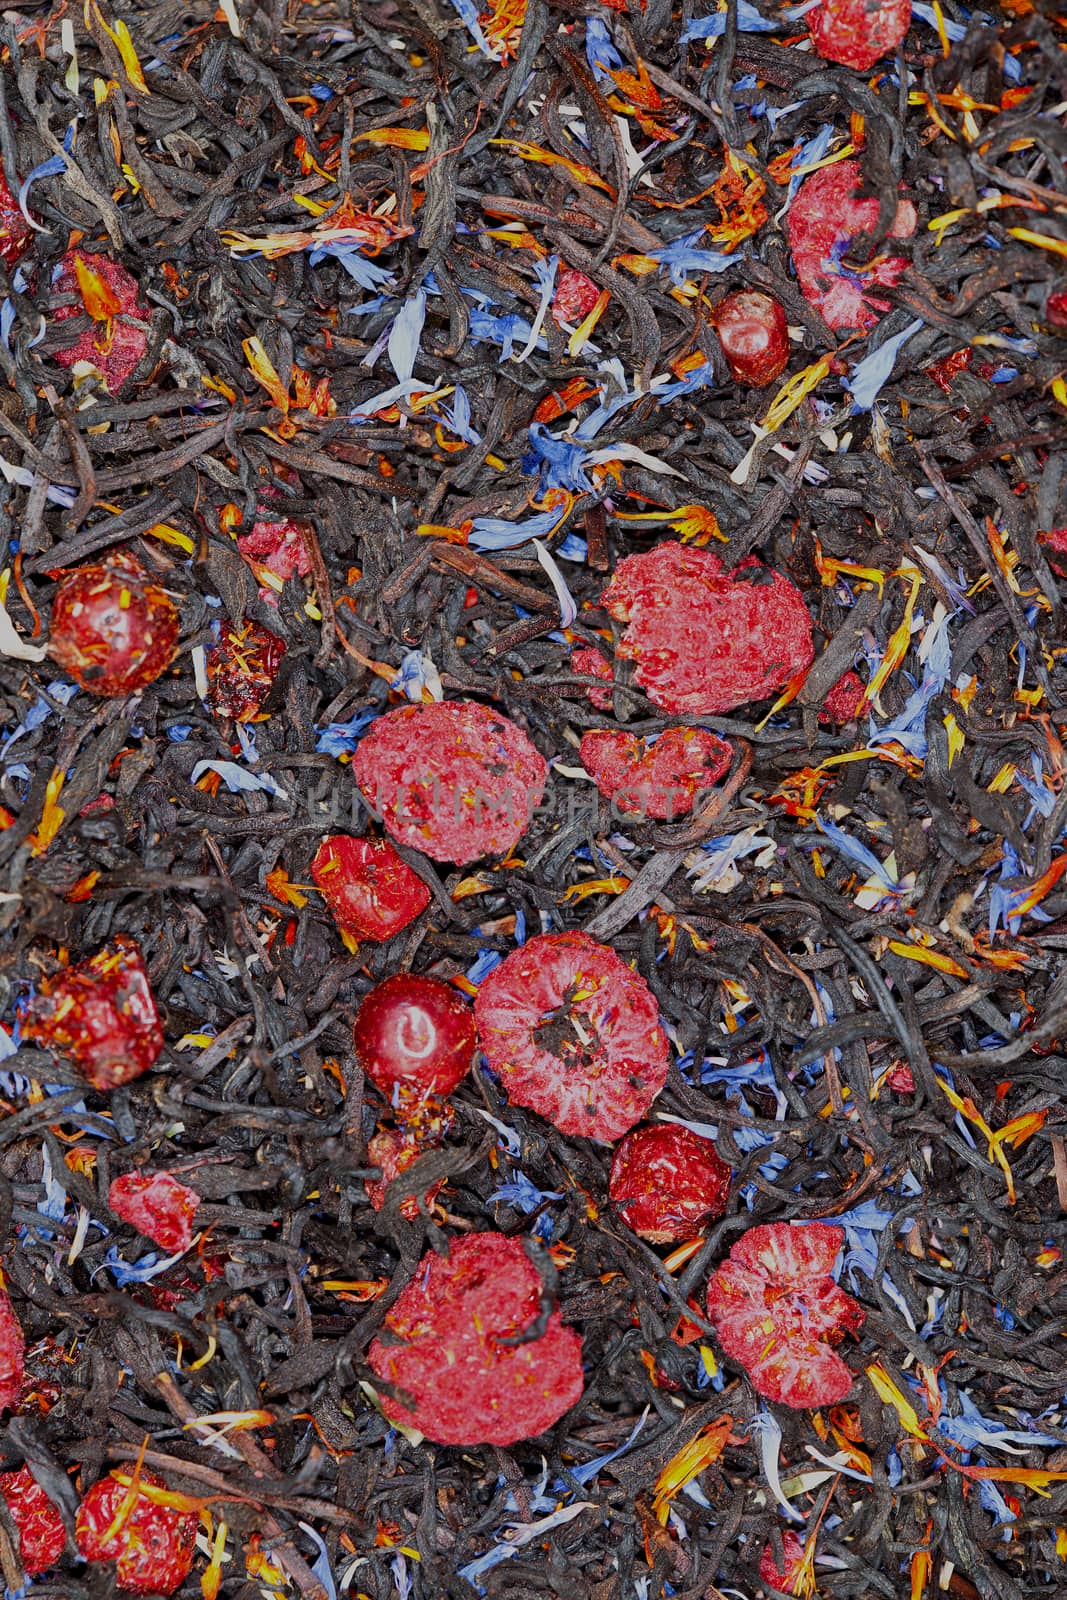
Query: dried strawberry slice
[[705, 640], [454, 1321], [101, 1014], [12, 1355], [369, 888], [666, 1181], [792, 1554], [241, 670], [823, 220], [587, 662], [660, 780], [856, 33], [574, 1034], [112, 629], [152, 1545], [575, 296], [42, 1536], [119, 338], [158, 1206], [453, 779]]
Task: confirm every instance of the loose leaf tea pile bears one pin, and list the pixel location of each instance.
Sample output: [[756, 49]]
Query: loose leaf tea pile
[[550, 515]]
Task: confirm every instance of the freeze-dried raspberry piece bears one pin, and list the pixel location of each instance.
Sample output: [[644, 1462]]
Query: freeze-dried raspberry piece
[[158, 1206], [42, 1537], [12, 1355], [659, 780], [754, 336], [705, 640], [119, 337], [454, 1320], [844, 699], [101, 1014], [415, 1038], [371, 891], [276, 546], [241, 670], [453, 779], [574, 1034], [575, 296], [112, 629], [823, 220], [152, 1545], [666, 1182], [394, 1151], [15, 231], [901, 1079], [1055, 546], [587, 662], [856, 33], [792, 1554]]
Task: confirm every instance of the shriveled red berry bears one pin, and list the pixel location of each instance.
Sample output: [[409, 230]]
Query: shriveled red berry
[[12, 1355], [42, 1536], [667, 1182], [574, 1034], [823, 220], [1055, 547], [1056, 309], [453, 779], [276, 547], [394, 1151], [792, 1555], [754, 336], [703, 640], [101, 1014], [152, 1545], [112, 629], [415, 1038], [15, 231], [241, 670], [119, 336], [659, 780], [369, 888], [575, 296], [158, 1206], [856, 33], [454, 1320], [843, 702], [587, 662]]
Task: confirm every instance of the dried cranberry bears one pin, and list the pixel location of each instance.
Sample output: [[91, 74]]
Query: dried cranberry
[[152, 1545], [823, 220], [394, 1151], [453, 779], [575, 296], [42, 1536], [119, 337], [415, 1038], [792, 1554], [158, 1206], [241, 670], [452, 1325], [659, 780], [587, 662], [112, 629], [666, 1182], [856, 33], [705, 640], [754, 336], [12, 1355], [101, 1014], [369, 888], [15, 231], [843, 702], [574, 1034]]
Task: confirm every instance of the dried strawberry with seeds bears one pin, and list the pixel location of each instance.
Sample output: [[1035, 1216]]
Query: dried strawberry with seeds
[[12, 1355], [112, 629], [857, 33], [158, 1206], [823, 220], [369, 888], [118, 338], [574, 1034], [666, 1182], [459, 1354], [575, 296], [152, 1545], [415, 1038], [843, 702], [453, 779], [778, 1312], [704, 640], [15, 231], [101, 1014], [241, 670], [659, 780], [754, 336], [394, 1151], [792, 1554], [42, 1536], [587, 662]]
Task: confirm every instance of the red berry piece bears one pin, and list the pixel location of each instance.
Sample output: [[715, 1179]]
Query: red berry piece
[[394, 1151], [660, 780], [371, 891], [102, 1015], [158, 1206], [1055, 546], [574, 1034], [453, 779], [241, 670], [453, 1321], [754, 336], [942, 372], [112, 629], [792, 1554], [705, 640], [823, 220], [666, 1182], [843, 702], [778, 1312], [118, 337], [415, 1038], [587, 662], [152, 1545], [12, 1355], [575, 297], [42, 1536], [857, 33], [1056, 309], [15, 231], [277, 547], [901, 1079]]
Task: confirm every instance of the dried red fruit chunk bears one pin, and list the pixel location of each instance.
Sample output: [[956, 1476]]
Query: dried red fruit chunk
[[856, 33], [778, 1312], [415, 1038], [574, 1034], [453, 779], [660, 780], [754, 336], [942, 372], [705, 640], [666, 1182], [15, 231], [278, 547], [575, 296], [469, 1385], [115, 343], [792, 1554], [101, 1014], [158, 1206], [1056, 309], [901, 1079], [1055, 545], [42, 1537], [844, 699], [151, 1545], [371, 891], [12, 1355], [587, 662], [112, 629], [394, 1151], [823, 220], [241, 670]]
